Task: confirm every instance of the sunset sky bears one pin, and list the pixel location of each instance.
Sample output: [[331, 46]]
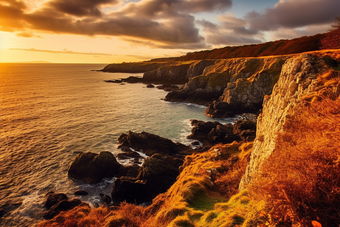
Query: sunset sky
[[106, 31]]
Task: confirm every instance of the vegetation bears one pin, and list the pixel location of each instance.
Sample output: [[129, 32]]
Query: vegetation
[[281, 47], [300, 182], [332, 38]]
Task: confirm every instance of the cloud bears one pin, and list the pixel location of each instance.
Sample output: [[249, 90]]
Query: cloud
[[230, 31], [81, 8], [294, 14], [65, 51], [167, 23], [26, 34]]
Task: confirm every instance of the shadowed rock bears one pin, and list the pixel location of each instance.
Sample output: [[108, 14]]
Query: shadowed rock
[[150, 144], [155, 176], [55, 203], [92, 168]]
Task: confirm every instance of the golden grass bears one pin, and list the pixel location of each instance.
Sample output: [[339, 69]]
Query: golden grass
[[300, 182]]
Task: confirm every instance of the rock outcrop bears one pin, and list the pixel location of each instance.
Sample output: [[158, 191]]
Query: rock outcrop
[[92, 168], [158, 172], [156, 175], [298, 78], [237, 85], [214, 132], [150, 144], [57, 202]]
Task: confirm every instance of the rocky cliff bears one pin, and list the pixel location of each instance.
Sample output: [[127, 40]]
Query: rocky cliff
[[300, 77], [237, 85], [177, 72]]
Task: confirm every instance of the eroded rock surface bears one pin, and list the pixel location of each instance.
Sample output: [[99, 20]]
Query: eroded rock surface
[[298, 78], [236, 85]]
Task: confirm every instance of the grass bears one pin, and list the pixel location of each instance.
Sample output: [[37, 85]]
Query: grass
[[300, 182]]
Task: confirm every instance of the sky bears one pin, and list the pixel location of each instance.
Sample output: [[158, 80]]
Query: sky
[[113, 31]]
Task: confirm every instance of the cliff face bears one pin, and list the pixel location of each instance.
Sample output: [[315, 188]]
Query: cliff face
[[177, 72], [298, 78], [236, 83]]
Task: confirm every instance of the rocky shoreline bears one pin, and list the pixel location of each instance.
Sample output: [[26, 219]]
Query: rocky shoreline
[[154, 168]]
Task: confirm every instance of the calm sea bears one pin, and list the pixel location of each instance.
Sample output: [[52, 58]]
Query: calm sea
[[51, 112]]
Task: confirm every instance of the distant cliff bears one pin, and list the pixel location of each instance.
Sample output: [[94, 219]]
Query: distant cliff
[[134, 67]]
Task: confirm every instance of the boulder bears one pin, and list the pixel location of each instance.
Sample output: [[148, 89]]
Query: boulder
[[214, 132], [150, 86], [55, 203], [155, 176], [245, 129], [53, 198], [92, 168], [151, 144]]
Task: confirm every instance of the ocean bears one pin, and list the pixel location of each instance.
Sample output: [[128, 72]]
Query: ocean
[[51, 112]]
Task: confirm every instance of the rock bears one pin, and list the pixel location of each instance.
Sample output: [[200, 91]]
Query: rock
[[166, 87], [135, 67], [214, 132], [57, 202], [237, 85], [92, 168], [53, 199], [150, 144], [155, 176], [150, 86], [63, 205], [245, 129], [174, 74], [113, 81], [81, 192], [195, 143], [133, 79], [219, 109], [304, 71], [105, 199]]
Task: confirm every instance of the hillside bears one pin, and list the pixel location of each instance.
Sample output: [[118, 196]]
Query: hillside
[[280, 47]]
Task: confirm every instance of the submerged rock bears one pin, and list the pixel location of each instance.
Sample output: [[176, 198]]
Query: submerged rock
[[92, 168]]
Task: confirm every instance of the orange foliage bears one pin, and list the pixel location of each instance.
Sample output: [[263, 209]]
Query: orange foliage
[[126, 215], [281, 47], [300, 181]]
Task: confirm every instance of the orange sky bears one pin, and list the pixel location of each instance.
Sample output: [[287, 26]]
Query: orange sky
[[106, 31]]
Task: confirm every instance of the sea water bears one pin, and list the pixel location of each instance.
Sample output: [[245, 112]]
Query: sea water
[[51, 112]]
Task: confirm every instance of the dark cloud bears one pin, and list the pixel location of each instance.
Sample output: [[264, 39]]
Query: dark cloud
[[294, 14], [80, 8], [169, 23], [65, 51]]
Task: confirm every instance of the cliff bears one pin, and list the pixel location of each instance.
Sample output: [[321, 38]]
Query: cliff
[[299, 77], [237, 85]]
